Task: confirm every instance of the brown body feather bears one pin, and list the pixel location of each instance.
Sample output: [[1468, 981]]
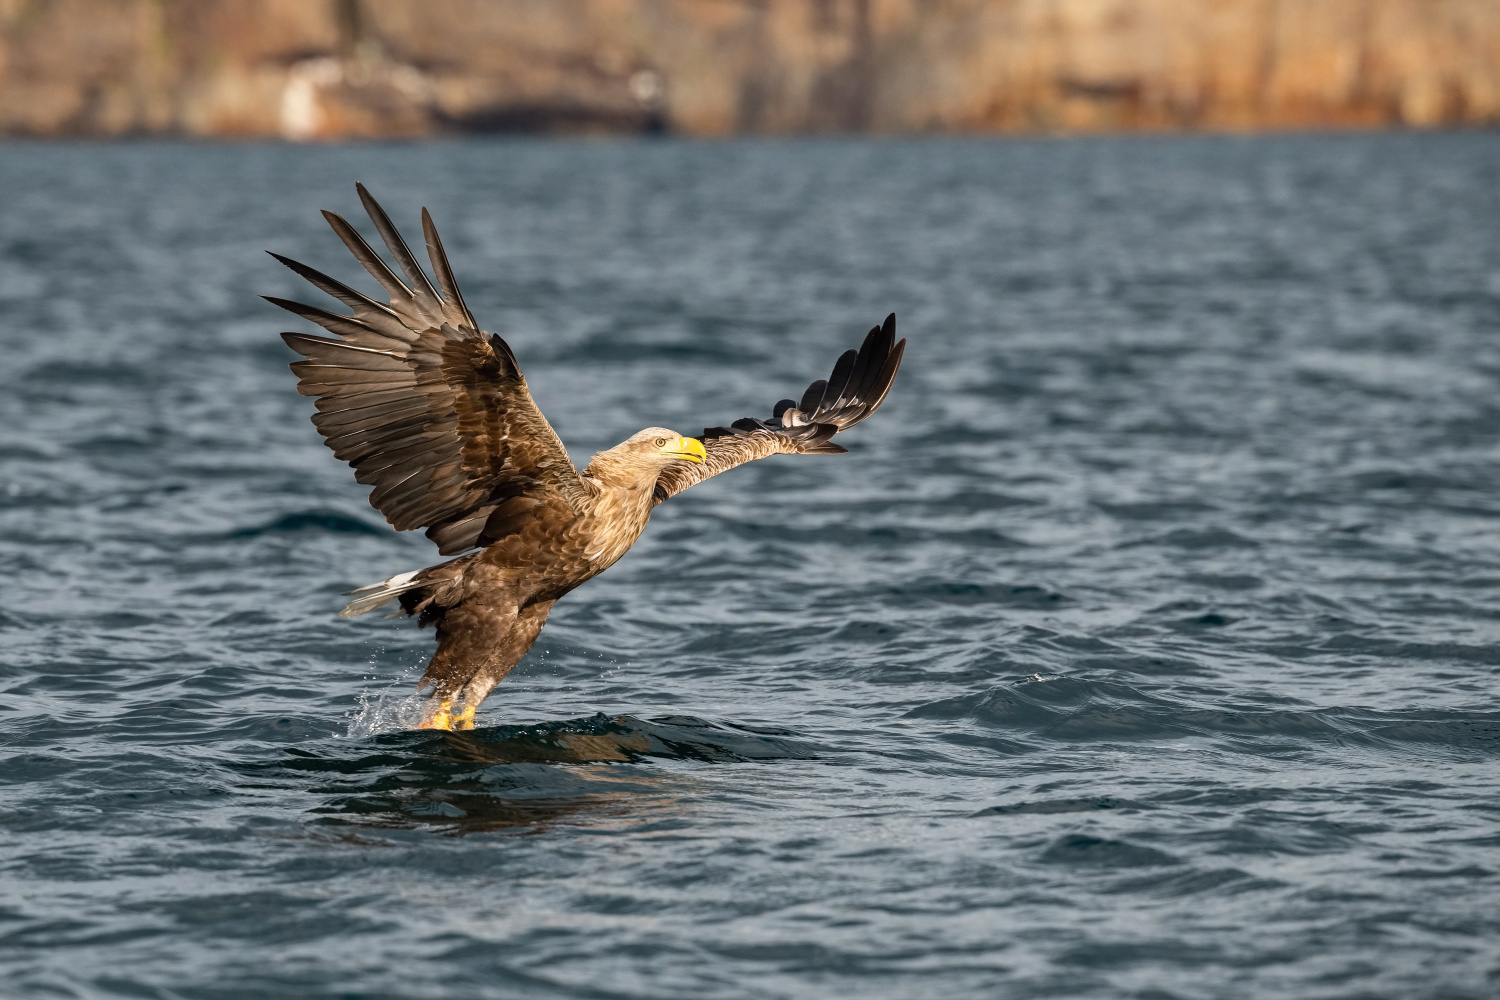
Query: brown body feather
[[436, 416]]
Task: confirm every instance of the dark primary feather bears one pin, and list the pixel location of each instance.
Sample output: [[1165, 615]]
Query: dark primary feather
[[374, 315], [430, 411], [395, 243], [813, 396], [839, 380], [856, 388], [443, 270], [368, 258]]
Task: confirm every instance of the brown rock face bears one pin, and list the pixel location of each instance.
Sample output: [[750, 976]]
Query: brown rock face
[[309, 69]]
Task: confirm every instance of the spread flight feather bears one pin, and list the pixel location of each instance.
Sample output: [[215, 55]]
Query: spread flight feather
[[436, 416]]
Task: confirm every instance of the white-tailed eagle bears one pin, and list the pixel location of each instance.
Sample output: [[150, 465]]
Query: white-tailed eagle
[[435, 415]]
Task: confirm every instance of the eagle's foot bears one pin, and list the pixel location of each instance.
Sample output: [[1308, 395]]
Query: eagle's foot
[[441, 719], [445, 718]]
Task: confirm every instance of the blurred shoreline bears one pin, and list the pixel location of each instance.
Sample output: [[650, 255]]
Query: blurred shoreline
[[403, 69]]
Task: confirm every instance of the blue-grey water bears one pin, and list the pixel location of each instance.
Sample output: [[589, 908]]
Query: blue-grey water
[[1144, 645]]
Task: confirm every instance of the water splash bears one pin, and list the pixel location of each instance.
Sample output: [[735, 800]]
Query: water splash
[[385, 710]]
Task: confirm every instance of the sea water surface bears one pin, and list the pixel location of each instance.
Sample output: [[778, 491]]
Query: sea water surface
[[1145, 644]]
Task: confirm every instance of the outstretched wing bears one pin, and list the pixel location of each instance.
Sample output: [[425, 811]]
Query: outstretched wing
[[857, 387], [429, 410]]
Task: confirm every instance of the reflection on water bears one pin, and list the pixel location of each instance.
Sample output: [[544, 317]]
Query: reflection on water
[[503, 797], [521, 777]]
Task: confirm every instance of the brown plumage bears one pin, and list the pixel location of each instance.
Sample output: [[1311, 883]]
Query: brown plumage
[[435, 415]]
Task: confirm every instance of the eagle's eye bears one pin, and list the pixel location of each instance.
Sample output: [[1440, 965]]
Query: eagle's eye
[[661, 442]]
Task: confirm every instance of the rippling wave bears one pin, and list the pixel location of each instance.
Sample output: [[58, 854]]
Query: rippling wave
[[1145, 644]]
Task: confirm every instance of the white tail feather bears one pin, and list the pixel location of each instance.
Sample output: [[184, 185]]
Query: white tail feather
[[382, 593]]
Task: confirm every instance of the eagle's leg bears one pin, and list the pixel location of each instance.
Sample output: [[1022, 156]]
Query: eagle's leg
[[477, 647]]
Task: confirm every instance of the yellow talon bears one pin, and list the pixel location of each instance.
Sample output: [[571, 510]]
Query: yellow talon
[[442, 718]]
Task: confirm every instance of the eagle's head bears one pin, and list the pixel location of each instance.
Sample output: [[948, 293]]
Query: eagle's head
[[636, 462], [659, 447]]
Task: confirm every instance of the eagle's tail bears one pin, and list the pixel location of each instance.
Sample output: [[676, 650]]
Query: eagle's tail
[[382, 593], [426, 593]]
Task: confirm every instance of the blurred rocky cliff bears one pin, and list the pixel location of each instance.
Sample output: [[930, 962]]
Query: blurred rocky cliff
[[330, 68]]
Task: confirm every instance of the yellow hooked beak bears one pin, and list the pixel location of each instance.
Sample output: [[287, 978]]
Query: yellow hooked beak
[[690, 449]]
